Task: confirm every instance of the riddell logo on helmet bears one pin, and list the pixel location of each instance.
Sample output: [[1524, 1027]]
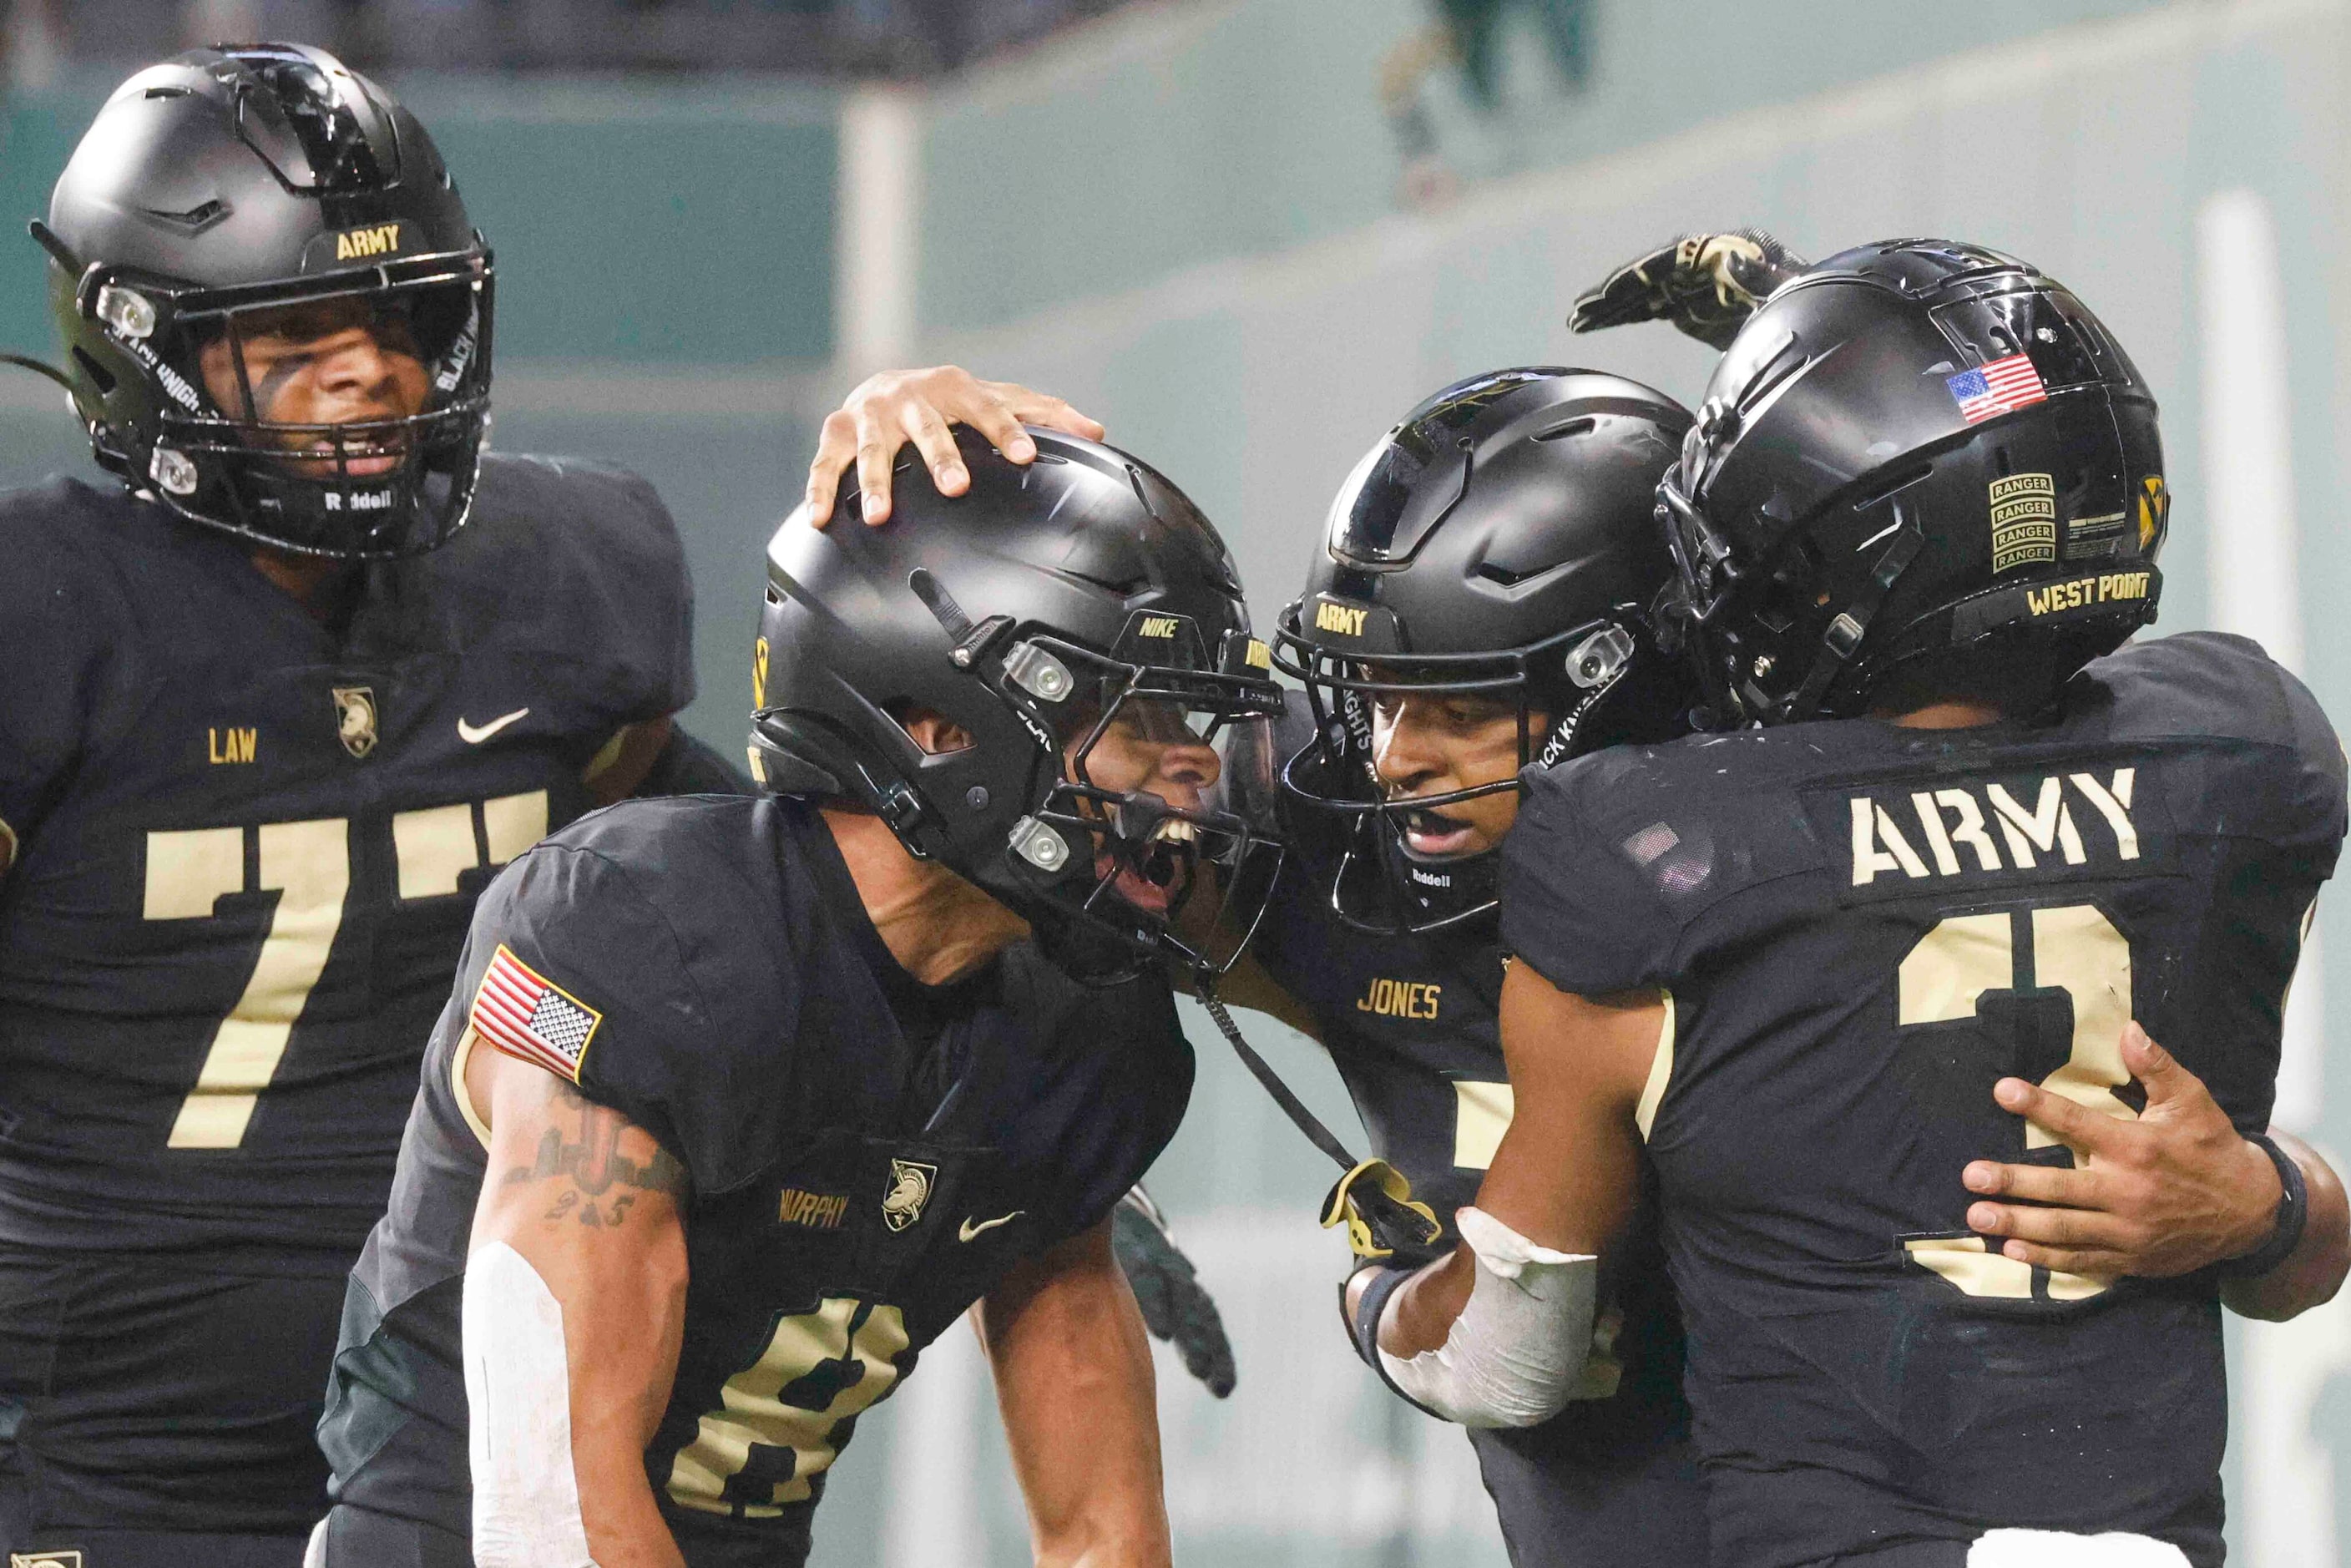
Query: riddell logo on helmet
[[357, 244], [1330, 617]]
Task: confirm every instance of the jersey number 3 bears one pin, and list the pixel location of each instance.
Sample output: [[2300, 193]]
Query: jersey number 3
[[2073, 949], [309, 866]]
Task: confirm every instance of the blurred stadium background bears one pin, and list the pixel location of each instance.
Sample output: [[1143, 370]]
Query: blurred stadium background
[[1248, 234]]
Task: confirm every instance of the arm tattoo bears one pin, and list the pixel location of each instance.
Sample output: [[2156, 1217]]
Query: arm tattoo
[[594, 1164]]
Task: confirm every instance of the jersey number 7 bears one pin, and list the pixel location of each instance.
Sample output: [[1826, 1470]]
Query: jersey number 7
[[309, 866]]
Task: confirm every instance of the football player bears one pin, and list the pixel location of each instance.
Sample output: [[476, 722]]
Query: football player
[[1478, 603], [740, 1103], [1402, 783], [282, 692], [1830, 977]]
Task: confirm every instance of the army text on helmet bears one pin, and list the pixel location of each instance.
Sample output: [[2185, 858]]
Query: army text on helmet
[[219, 196], [1495, 543]]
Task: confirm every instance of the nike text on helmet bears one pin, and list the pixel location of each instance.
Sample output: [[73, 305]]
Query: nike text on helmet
[[1497, 542], [1063, 615], [226, 187], [1920, 465]]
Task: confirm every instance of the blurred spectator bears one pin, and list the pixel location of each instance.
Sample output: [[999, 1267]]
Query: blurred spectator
[[1467, 34], [31, 41]]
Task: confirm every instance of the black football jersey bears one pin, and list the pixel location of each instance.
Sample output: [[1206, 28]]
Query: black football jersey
[[1860, 928], [1413, 1024], [868, 1156], [247, 846]]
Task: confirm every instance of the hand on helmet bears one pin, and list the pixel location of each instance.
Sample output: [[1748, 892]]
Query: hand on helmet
[[1168, 1288], [1706, 285], [892, 408]]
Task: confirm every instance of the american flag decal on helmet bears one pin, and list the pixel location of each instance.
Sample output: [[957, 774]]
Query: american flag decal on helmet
[[2003, 386], [524, 1014]]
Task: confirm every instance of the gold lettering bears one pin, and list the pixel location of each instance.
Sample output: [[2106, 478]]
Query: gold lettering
[[1329, 617], [356, 244], [1871, 829], [2048, 826], [1259, 656], [235, 745], [1401, 999], [817, 1210], [1158, 626]]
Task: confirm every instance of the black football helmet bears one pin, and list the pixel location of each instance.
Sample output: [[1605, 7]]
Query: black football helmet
[[1499, 541], [232, 182], [1921, 469], [1054, 613]]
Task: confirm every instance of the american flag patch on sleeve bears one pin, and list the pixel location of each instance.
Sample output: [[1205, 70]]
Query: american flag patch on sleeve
[[2000, 387], [524, 1014]]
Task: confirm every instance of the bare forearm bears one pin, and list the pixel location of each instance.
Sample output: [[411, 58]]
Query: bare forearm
[[582, 1213], [1075, 1383], [2314, 1270]]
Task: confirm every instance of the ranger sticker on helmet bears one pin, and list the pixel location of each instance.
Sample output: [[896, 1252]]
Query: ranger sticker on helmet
[[2024, 520]]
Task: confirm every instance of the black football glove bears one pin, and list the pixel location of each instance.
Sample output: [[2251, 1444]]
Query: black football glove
[[1168, 1288], [1705, 285]]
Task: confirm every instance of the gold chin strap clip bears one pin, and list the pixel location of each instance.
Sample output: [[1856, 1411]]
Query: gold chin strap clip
[[1375, 1202]]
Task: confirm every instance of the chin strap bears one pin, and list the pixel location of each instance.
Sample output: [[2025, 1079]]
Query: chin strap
[[1373, 1199], [1845, 633]]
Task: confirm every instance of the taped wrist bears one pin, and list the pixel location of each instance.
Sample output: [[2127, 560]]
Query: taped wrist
[[518, 1439], [1364, 1325], [2293, 1216], [1515, 1352]]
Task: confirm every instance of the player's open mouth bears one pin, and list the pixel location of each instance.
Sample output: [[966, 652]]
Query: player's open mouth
[[1164, 866], [1435, 833]]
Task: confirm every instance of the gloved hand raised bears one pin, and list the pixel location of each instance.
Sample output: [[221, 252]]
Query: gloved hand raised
[[1706, 285]]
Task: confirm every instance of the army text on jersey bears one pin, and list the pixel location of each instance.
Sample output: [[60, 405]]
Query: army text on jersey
[[1861, 928]]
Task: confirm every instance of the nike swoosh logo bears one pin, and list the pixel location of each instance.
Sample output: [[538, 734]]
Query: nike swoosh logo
[[965, 1231], [474, 734]]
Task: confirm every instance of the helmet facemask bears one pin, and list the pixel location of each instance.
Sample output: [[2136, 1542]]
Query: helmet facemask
[[1153, 834], [373, 488], [1381, 884]]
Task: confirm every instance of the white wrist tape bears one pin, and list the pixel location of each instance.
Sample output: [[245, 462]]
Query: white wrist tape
[[1520, 1344], [518, 1391]]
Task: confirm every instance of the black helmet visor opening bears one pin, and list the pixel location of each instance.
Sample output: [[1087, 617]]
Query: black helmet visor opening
[[359, 489], [1380, 884], [1187, 878]]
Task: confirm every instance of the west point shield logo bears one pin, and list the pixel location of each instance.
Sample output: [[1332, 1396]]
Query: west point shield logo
[[910, 1189], [68, 1557], [355, 718]]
